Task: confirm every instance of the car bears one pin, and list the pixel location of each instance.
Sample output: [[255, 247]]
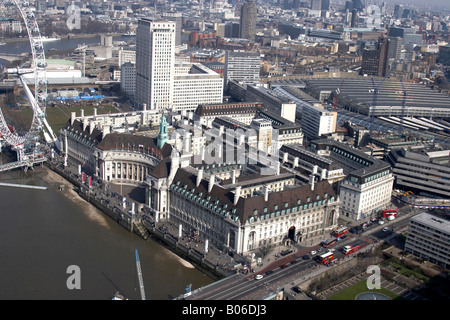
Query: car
[[380, 222], [319, 250], [259, 276], [305, 257], [385, 229], [269, 272], [296, 289], [313, 252]]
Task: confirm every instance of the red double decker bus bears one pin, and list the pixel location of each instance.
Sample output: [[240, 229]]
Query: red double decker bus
[[388, 213], [329, 242], [350, 249], [340, 232], [326, 258]]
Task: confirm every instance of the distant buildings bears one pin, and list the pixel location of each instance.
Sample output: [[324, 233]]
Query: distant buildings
[[161, 83], [247, 26], [242, 66], [317, 121], [444, 55], [375, 62], [128, 78]]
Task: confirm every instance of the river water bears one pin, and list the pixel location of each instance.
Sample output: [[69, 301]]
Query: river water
[[19, 47], [44, 232]]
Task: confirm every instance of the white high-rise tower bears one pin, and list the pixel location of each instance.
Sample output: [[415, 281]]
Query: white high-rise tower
[[155, 61]]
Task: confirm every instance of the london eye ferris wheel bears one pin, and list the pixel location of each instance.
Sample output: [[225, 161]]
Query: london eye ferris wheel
[[37, 99]]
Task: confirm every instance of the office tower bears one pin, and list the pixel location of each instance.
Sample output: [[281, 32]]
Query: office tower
[[376, 62], [400, 31], [395, 48], [128, 78], [242, 66], [354, 22], [247, 26], [325, 5], [427, 238], [398, 11], [316, 4], [232, 30], [155, 59], [358, 5], [444, 55], [195, 84], [178, 19]]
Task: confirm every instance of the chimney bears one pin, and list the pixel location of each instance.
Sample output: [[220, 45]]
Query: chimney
[[323, 174], [315, 169], [237, 194], [95, 112], [85, 123], [73, 115], [295, 162], [266, 193], [106, 130], [82, 112], [91, 128], [285, 157], [187, 143], [199, 176], [312, 180], [233, 176], [211, 183]]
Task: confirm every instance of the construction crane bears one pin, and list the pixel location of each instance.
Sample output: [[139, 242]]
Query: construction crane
[[400, 129], [139, 271], [336, 98]]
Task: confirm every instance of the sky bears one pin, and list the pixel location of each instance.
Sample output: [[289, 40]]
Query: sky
[[422, 3]]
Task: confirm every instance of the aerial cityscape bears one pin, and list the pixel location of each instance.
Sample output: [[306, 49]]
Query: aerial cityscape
[[225, 150]]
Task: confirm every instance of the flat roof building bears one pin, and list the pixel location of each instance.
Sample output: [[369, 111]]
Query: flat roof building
[[429, 238], [421, 170]]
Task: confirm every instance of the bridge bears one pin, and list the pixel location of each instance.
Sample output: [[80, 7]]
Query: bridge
[[11, 57], [25, 163]]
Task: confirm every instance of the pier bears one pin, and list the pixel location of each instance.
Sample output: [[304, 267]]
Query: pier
[[25, 186], [29, 163]]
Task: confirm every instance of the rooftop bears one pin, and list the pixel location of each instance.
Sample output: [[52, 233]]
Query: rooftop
[[441, 222]]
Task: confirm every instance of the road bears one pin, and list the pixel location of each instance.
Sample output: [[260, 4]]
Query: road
[[276, 276], [242, 287]]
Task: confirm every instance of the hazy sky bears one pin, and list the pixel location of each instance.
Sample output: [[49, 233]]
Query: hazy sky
[[422, 3]]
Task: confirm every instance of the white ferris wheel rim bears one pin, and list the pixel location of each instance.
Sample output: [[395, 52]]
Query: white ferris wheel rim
[[40, 77]]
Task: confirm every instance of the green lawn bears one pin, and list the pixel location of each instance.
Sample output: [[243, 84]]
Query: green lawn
[[351, 292], [58, 116]]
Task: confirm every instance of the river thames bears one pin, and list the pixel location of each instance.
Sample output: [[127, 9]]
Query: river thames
[[44, 232]]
